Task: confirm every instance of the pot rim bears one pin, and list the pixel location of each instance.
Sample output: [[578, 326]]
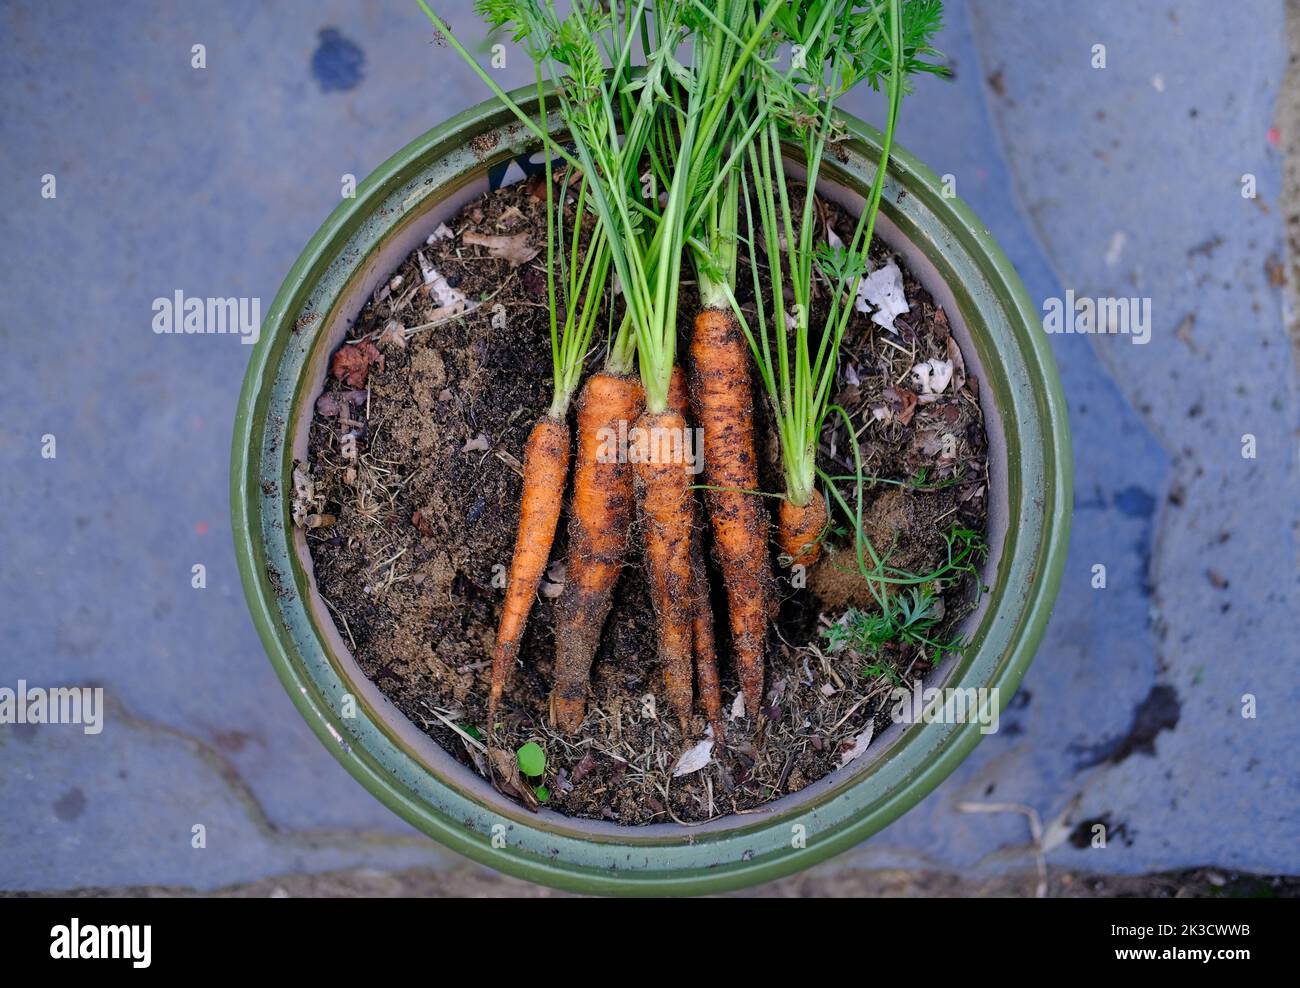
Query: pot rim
[[755, 849]]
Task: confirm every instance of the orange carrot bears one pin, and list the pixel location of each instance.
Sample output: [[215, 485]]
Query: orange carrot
[[664, 496], [679, 399], [799, 530], [705, 646], [724, 406], [600, 519], [546, 465], [706, 649]]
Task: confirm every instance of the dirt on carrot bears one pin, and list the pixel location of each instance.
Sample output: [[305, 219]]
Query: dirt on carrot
[[722, 389], [414, 487], [601, 510]]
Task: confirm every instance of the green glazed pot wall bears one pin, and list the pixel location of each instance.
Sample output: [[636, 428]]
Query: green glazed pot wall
[[949, 251]]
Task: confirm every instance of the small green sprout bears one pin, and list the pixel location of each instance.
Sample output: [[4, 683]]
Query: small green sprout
[[874, 670], [908, 617], [532, 760]]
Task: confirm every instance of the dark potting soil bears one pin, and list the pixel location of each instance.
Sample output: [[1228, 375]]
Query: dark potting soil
[[410, 500]]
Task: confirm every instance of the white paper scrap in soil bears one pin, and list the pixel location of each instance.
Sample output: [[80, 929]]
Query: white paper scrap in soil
[[882, 290], [932, 378], [438, 286], [738, 707]]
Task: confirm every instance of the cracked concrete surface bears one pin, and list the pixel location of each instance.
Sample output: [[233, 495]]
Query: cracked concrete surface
[[1157, 151], [132, 798], [1122, 181]]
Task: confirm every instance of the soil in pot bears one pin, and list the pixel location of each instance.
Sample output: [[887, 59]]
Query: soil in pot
[[410, 498]]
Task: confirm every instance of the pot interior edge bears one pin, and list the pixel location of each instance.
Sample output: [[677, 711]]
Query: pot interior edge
[[414, 227]]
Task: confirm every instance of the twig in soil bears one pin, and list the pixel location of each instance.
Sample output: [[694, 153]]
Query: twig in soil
[[900, 349], [852, 709], [780, 782], [388, 562], [469, 739], [469, 310], [510, 461], [827, 668], [668, 807], [339, 615], [404, 301], [947, 513]]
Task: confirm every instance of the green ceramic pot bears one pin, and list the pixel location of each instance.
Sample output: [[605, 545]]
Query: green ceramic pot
[[360, 244]]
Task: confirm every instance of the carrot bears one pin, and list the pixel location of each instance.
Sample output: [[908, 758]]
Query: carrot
[[705, 646], [678, 396], [706, 649], [600, 519], [799, 529], [546, 465], [724, 407], [664, 496]]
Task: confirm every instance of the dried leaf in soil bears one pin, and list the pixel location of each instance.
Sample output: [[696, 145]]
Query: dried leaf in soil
[[339, 403], [507, 778], [694, 759], [517, 248], [859, 745], [353, 361]]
